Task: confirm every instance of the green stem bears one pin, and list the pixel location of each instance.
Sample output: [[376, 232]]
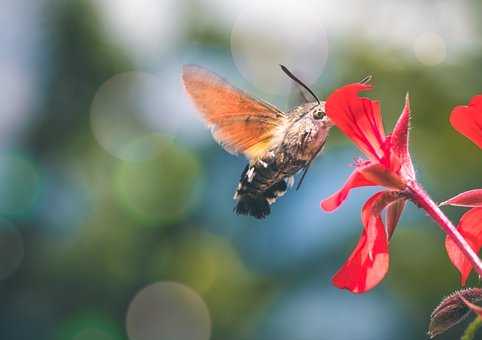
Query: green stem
[[471, 329]]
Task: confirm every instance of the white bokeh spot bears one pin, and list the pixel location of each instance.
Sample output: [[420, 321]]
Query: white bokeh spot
[[270, 33], [118, 116], [430, 49], [144, 28], [166, 311]]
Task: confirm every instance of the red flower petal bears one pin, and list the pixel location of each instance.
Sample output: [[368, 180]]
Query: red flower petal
[[358, 118], [380, 175], [355, 180], [467, 120], [471, 198], [368, 263], [470, 226], [394, 211], [399, 141]]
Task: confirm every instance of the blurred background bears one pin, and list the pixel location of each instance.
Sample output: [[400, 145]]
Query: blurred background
[[116, 204]]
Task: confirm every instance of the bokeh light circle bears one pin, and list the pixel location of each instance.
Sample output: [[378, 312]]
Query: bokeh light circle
[[430, 49], [88, 325], [167, 311], [19, 184], [269, 33], [16, 98], [159, 190], [205, 262], [93, 334], [144, 28], [118, 116], [11, 249]]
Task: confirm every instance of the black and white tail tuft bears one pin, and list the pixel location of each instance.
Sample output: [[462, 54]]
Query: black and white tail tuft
[[252, 204], [257, 191]]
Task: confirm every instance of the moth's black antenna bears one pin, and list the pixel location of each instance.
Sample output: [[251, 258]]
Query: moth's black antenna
[[292, 76], [308, 166]]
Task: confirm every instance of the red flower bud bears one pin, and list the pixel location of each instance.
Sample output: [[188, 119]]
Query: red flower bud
[[452, 310]]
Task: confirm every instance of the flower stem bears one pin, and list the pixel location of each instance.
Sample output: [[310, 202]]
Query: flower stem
[[471, 329], [423, 200]]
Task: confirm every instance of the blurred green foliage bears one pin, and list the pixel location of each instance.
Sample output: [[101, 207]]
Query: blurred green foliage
[[97, 229]]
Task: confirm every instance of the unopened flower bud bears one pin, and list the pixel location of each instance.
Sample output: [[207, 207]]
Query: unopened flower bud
[[452, 310]]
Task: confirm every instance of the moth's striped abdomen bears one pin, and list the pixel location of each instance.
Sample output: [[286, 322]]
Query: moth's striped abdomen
[[260, 185]]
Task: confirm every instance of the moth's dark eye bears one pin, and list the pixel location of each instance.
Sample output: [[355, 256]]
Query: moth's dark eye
[[318, 114]]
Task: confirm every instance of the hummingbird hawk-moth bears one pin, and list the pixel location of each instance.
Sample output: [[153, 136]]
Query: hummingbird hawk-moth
[[277, 144]]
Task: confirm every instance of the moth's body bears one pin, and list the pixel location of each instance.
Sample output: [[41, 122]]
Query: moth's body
[[277, 144], [267, 178]]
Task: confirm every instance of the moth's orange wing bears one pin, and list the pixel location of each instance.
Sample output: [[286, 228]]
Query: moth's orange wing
[[240, 123]]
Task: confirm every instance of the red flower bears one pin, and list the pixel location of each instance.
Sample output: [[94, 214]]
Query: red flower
[[388, 165], [470, 226], [468, 121]]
